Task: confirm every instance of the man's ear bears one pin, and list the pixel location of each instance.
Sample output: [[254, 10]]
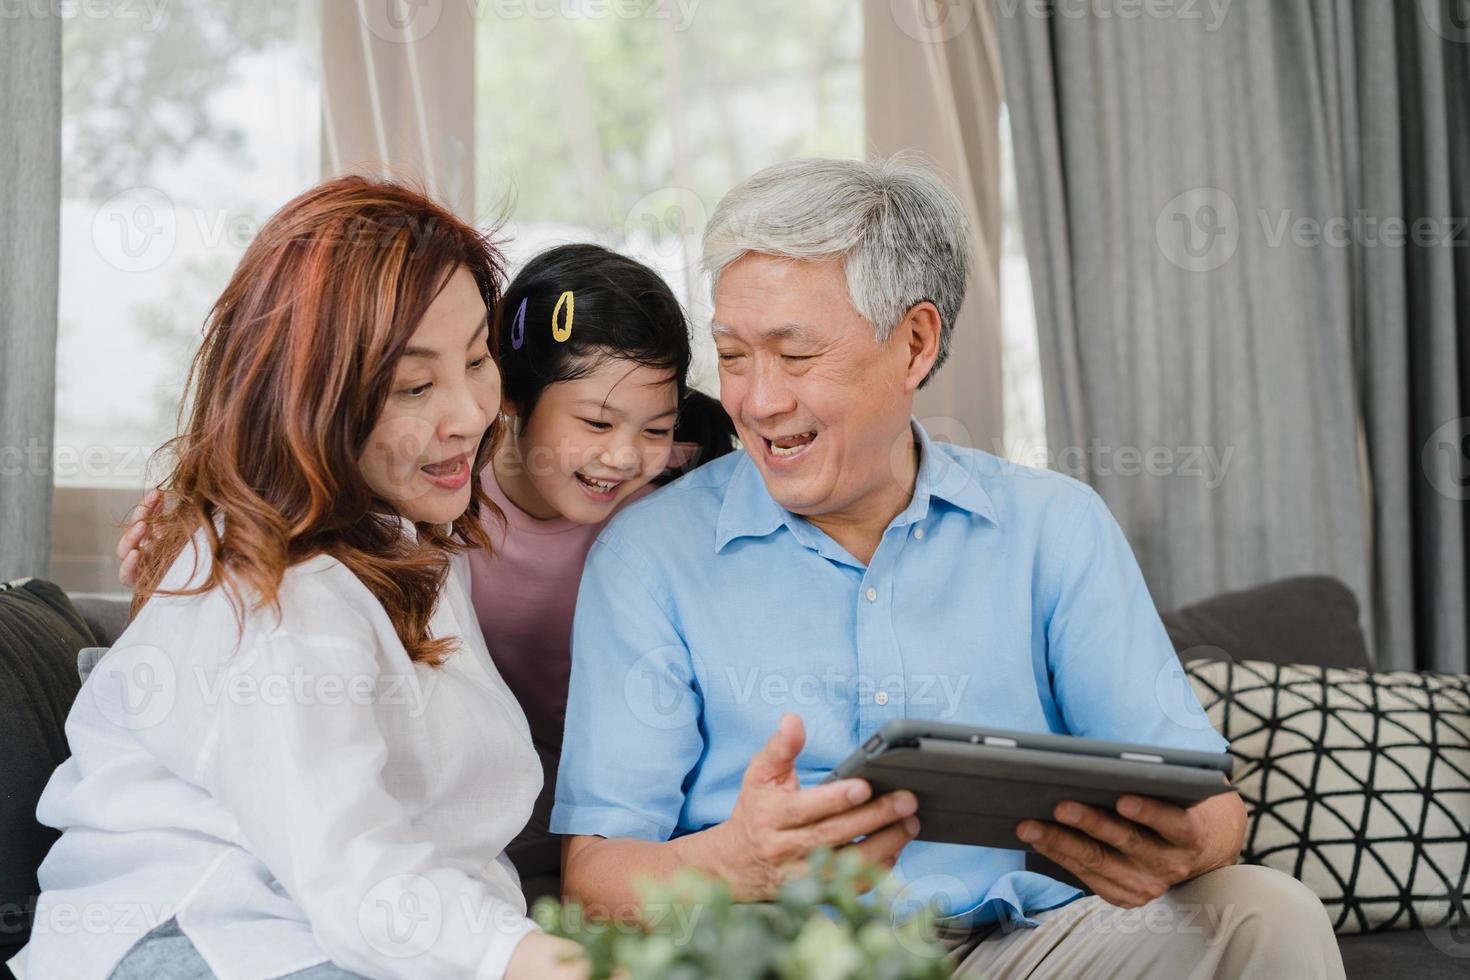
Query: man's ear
[[920, 328]]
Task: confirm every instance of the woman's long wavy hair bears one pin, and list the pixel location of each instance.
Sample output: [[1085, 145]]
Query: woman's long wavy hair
[[295, 366]]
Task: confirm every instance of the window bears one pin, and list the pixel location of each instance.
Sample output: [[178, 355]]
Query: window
[[627, 130], [1025, 411], [180, 135]]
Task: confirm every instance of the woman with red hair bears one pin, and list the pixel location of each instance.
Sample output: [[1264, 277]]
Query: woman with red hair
[[299, 760]]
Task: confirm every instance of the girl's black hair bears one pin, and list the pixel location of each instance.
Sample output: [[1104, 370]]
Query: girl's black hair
[[703, 422], [619, 307]]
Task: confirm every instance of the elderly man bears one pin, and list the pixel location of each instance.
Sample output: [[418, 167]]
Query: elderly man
[[845, 571]]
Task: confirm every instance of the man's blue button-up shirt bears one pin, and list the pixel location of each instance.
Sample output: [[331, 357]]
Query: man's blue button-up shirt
[[1001, 596]]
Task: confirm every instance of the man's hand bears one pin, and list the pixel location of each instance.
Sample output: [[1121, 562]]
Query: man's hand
[[775, 823], [1132, 857]]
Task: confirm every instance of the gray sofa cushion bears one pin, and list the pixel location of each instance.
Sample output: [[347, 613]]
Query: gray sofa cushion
[[106, 615], [1306, 620], [40, 634], [1436, 954]]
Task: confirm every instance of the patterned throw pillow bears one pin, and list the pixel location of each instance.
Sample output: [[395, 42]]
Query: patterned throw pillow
[[1357, 783]]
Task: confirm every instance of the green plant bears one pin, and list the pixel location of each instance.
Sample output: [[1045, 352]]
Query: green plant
[[821, 927]]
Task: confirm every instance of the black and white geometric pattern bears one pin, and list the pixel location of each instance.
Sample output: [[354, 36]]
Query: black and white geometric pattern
[[1358, 784]]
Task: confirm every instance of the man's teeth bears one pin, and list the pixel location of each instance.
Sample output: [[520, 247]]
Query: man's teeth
[[795, 444]]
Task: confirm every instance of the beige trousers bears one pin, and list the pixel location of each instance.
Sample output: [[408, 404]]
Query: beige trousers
[[1238, 922]]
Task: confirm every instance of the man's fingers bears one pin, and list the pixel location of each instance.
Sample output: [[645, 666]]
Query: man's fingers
[[807, 806], [776, 759], [880, 849], [1123, 895], [856, 822], [883, 847], [1075, 851], [1158, 859], [1170, 822], [1104, 870], [1122, 835]]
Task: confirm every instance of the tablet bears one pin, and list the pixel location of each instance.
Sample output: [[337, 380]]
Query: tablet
[[975, 784]]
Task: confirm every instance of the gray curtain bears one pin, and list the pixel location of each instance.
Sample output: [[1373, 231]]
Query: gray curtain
[[30, 213], [1412, 320], [1210, 290]]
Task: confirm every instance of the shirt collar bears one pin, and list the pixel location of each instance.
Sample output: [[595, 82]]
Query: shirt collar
[[943, 476], [749, 510], [406, 526]]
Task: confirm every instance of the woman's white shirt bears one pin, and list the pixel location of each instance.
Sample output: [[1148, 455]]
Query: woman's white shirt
[[298, 793]]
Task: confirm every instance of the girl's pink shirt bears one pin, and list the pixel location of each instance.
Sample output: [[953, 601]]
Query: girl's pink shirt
[[524, 594]]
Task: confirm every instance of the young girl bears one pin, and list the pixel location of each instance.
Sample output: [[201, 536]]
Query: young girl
[[299, 759], [593, 353]]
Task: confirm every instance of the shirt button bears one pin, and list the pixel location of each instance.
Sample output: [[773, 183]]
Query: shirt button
[[881, 697], [872, 594], [919, 534]]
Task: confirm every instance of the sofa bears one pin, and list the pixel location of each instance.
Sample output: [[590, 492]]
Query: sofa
[[1292, 641], [1308, 626], [1299, 639]]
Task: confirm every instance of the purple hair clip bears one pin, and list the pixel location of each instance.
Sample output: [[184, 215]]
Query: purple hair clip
[[518, 326]]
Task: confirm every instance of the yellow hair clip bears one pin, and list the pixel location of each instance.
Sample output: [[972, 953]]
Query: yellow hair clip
[[562, 332]]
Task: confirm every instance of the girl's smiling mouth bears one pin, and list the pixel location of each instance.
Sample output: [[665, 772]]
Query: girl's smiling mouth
[[602, 491]]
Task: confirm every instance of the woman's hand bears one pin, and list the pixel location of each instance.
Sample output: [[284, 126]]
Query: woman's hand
[[541, 956], [135, 537]]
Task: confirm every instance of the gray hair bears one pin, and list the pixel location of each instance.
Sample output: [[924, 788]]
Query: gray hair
[[901, 233]]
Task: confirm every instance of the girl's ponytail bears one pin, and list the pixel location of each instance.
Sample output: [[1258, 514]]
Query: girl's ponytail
[[702, 433]]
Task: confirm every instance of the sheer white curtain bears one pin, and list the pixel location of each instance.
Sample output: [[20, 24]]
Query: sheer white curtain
[[933, 85], [398, 94]]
